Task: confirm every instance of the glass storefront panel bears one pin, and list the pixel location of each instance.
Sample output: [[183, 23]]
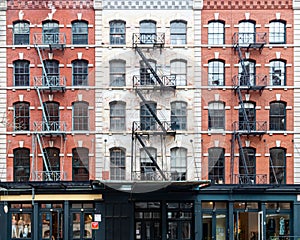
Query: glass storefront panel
[[21, 225], [207, 226], [277, 225], [220, 226]]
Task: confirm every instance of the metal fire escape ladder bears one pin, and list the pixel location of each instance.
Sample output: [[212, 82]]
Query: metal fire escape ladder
[[149, 66], [44, 154]]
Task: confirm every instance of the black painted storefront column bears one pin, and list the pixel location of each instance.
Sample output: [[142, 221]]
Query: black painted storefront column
[[4, 222], [198, 220], [35, 229], [230, 233], [296, 218], [66, 220], [100, 233]]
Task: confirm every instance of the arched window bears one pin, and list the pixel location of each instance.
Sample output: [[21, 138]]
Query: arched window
[[178, 32], [277, 169], [216, 33], [148, 32], [246, 32], [80, 72], [247, 166], [117, 73], [277, 31], [178, 164], [117, 32], [250, 111], [278, 73], [247, 73], [117, 116], [147, 120], [148, 168], [21, 73], [80, 116], [117, 164], [79, 32], [52, 114], [51, 32], [21, 164], [146, 77], [216, 115], [80, 164], [216, 165], [51, 78], [179, 115], [179, 72], [52, 165], [277, 116], [21, 32], [21, 116], [216, 73]]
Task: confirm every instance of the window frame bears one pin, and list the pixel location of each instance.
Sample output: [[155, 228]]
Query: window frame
[[117, 73], [216, 164], [80, 121], [279, 118], [147, 167], [178, 32], [117, 163], [53, 157], [80, 72], [53, 116], [179, 112], [80, 32], [147, 121], [50, 32], [53, 73], [148, 33], [178, 70], [21, 73], [117, 32], [277, 33], [24, 158], [216, 37], [274, 157], [23, 119], [216, 115], [250, 108], [81, 155], [117, 110], [250, 77], [178, 164], [24, 34], [219, 65], [278, 72], [251, 164], [247, 32]]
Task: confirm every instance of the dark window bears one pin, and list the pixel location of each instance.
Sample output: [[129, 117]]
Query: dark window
[[21, 165], [216, 73], [148, 32], [117, 73], [247, 166], [216, 165], [117, 32], [277, 116], [216, 115], [50, 32], [80, 73], [246, 32], [247, 72], [148, 122], [21, 73], [21, 33], [277, 31], [52, 114], [277, 169], [216, 33], [51, 78], [80, 116], [148, 168], [80, 163], [117, 164], [178, 164], [277, 73], [251, 116], [117, 116], [80, 32], [21, 116], [178, 32], [179, 115], [178, 72], [53, 159]]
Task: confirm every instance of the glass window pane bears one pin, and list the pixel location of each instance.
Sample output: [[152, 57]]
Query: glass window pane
[[80, 116], [21, 32], [277, 32], [216, 33], [216, 73], [80, 32], [178, 32]]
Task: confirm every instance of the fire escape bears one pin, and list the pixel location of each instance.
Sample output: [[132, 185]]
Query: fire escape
[[50, 127], [246, 127], [150, 81]]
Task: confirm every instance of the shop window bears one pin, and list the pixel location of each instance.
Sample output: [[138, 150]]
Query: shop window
[[216, 115], [179, 72], [79, 32], [178, 164], [277, 169], [277, 31], [277, 116], [117, 32], [216, 73], [21, 226], [178, 32], [216, 165], [117, 116], [21, 33], [80, 72], [21, 73], [117, 164], [179, 116], [80, 116], [278, 73], [117, 73], [21, 165], [216, 33], [21, 116], [80, 164]]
